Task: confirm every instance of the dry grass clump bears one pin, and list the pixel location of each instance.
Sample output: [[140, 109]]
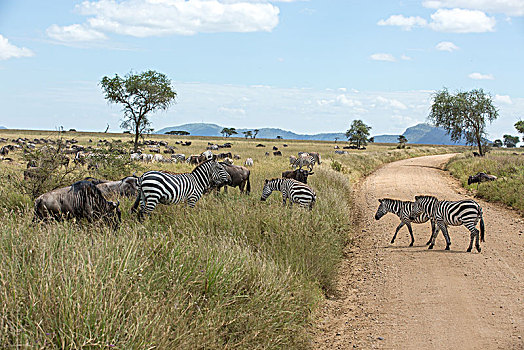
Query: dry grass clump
[[508, 167]]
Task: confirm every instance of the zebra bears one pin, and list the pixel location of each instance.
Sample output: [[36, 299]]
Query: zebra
[[308, 160], [160, 187], [296, 191], [465, 212], [402, 209]]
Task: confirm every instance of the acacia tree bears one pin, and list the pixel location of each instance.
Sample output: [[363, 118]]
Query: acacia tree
[[402, 140], [255, 133], [520, 127], [247, 134], [228, 132], [511, 141], [358, 133], [463, 115], [140, 94]]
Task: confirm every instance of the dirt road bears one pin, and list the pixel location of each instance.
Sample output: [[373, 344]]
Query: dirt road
[[392, 296]]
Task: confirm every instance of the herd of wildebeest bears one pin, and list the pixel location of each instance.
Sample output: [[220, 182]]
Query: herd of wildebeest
[[87, 199]]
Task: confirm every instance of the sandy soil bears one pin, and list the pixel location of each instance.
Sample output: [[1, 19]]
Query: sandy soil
[[392, 296]]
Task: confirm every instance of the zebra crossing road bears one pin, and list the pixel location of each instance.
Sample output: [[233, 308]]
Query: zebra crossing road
[[392, 296]]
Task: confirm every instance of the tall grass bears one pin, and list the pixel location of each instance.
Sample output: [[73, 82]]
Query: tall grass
[[507, 166], [233, 272]]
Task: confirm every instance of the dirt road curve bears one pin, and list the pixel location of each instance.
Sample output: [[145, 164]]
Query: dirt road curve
[[392, 296]]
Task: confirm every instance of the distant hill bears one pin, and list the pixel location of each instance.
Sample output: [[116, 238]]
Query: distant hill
[[3, 127], [421, 133]]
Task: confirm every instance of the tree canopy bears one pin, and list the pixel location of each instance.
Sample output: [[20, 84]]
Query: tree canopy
[[139, 94], [247, 134], [227, 132], [511, 141], [463, 115], [178, 132], [520, 127], [358, 133]]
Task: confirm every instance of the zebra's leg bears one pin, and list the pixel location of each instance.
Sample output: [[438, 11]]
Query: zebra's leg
[[474, 236], [411, 233], [432, 230], [147, 205], [434, 236], [396, 231], [444, 229]]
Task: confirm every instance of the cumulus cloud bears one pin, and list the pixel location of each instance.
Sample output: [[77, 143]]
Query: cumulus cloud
[[507, 7], [74, 33], [8, 50], [406, 23], [345, 101], [391, 102], [461, 21], [405, 58], [383, 57], [503, 99], [446, 46], [479, 76], [145, 18]]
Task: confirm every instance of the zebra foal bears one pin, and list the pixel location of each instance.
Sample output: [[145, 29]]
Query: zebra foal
[[296, 191], [402, 209], [161, 187], [455, 213]]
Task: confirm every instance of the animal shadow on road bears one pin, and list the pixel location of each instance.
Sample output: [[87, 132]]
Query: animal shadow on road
[[401, 249]]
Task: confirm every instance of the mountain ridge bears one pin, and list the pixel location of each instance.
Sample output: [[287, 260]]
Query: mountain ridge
[[422, 133]]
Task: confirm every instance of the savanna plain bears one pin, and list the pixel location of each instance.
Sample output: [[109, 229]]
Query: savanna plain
[[233, 272]]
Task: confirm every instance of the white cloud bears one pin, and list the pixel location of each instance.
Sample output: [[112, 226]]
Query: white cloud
[[74, 33], [479, 76], [507, 7], [8, 50], [503, 99], [391, 102], [446, 46], [145, 18], [345, 101], [461, 21], [230, 110], [405, 23], [383, 57], [405, 58]]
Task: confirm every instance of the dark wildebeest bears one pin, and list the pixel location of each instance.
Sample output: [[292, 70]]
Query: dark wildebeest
[[298, 174], [480, 177], [127, 187], [225, 155], [275, 148], [277, 153], [80, 200], [4, 151], [239, 177]]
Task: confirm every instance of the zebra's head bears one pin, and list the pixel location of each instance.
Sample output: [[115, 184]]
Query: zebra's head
[[423, 204], [266, 191], [382, 209], [219, 175]]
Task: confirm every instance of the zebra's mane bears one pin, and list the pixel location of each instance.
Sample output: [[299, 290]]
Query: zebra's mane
[[426, 197], [202, 164], [394, 200]]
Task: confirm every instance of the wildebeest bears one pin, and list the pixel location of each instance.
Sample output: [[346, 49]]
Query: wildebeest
[[239, 177], [298, 174], [275, 148], [277, 153], [260, 145], [4, 151], [80, 200], [480, 177], [225, 155], [127, 187], [292, 160]]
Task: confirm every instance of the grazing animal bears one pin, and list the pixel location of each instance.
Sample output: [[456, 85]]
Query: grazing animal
[[465, 212], [296, 191], [225, 155], [159, 187], [480, 177], [316, 156], [297, 174], [341, 152], [402, 209], [308, 161], [80, 200], [476, 154], [207, 155], [292, 160], [239, 177], [127, 187], [249, 162], [4, 151], [275, 148], [277, 153], [260, 145]]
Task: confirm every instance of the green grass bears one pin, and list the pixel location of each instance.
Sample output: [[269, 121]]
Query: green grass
[[508, 167], [233, 272]]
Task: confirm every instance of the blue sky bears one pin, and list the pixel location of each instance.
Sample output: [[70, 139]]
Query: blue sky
[[306, 66]]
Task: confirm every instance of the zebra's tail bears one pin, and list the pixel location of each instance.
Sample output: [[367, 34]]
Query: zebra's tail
[[248, 188], [482, 228]]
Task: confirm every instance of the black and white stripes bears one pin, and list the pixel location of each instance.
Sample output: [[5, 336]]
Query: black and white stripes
[[160, 187], [296, 191], [454, 213], [403, 210]]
